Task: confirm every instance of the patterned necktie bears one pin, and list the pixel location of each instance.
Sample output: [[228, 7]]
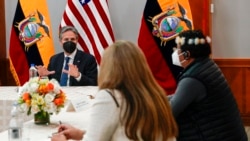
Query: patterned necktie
[[64, 77]]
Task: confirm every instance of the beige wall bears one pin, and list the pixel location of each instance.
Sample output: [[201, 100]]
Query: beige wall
[[230, 28]]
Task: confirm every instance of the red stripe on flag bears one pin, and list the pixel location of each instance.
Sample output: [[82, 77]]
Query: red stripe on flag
[[89, 34], [96, 44], [80, 40], [155, 59], [84, 26], [104, 17], [95, 24], [20, 67]]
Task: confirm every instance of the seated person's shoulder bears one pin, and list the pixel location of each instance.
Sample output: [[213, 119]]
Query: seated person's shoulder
[[55, 58], [87, 56], [61, 54], [85, 53]]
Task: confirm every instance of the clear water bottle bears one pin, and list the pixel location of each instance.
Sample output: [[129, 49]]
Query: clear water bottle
[[32, 71], [15, 125]]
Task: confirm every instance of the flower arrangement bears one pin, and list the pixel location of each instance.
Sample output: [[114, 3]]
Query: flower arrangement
[[41, 95]]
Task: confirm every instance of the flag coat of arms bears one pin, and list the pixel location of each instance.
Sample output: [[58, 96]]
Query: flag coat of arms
[[92, 20], [31, 38], [162, 21]]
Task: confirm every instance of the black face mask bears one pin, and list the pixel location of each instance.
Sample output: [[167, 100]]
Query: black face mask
[[69, 46]]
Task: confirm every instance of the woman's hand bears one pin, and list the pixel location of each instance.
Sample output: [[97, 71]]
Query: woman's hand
[[71, 132], [58, 137]]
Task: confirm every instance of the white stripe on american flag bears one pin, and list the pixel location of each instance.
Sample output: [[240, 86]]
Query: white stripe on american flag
[[96, 30], [77, 25], [101, 22], [90, 25]]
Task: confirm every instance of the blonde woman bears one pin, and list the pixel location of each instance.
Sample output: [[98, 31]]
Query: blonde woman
[[130, 104]]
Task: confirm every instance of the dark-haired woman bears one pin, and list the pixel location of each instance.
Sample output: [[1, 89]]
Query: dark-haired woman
[[203, 104]]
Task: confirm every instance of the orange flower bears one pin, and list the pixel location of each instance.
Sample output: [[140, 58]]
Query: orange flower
[[42, 89], [63, 95], [59, 101], [26, 96], [50, 86], [28, 102]]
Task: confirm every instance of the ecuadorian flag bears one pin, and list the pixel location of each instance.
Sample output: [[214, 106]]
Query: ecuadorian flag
[[162, 21], [31, 39]]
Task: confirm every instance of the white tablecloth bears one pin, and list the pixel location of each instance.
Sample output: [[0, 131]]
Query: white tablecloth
[[41, 132], [7, 96], [33, 132]]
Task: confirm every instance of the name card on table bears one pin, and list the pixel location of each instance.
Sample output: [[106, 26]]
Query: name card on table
[[79, 104]]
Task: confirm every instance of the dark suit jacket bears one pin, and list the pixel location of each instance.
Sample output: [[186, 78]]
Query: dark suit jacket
[[86, 64]]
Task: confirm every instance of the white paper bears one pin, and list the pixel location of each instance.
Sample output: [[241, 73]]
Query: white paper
[[79, 104]]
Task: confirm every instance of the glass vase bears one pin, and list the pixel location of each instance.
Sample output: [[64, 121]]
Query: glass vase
[[42, 118]]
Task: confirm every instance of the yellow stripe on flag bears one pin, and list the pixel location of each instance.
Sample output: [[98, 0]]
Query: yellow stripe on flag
[[45, 45], [168, 4]]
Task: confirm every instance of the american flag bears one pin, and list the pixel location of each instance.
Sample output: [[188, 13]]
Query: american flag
[[92, 20]]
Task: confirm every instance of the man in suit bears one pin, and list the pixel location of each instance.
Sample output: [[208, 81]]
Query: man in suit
[[82, 67]]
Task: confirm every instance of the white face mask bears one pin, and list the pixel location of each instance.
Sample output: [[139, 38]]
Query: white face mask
[[176, 59]]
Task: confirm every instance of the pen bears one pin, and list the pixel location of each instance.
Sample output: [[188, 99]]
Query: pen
[[55, 132]]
